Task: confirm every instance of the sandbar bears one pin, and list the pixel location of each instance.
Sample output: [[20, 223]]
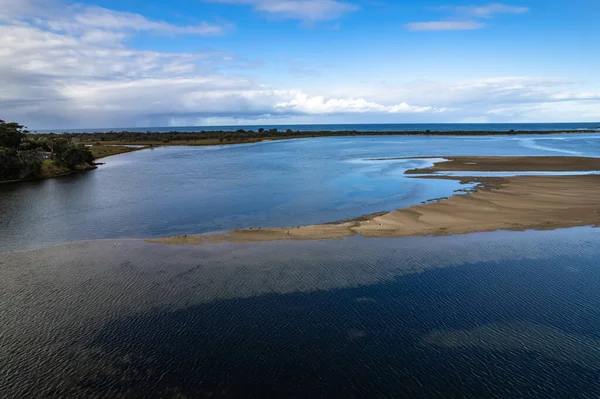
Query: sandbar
[[499, 203], [509, 164]]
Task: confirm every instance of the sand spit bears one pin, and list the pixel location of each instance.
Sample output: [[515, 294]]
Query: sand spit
[[511, 164], [508, 203]]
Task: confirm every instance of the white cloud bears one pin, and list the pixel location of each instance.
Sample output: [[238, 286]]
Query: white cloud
[[490, 92], [303, 10], [465, 17], [78, 18], [302, 103], [576, 111], [575, 96], [444, 25], [84, 18], [526, 99], [490, 10]]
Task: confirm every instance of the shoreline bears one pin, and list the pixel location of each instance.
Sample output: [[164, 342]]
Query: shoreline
[[496, 203], [103, 150], [63, 173]]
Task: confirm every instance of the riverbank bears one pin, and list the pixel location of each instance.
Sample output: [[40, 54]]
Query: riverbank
[[50, 170], [103, 151], [499, 203]]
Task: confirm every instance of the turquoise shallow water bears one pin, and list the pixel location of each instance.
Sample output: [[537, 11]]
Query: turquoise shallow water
[[504, 314], [187, 190]]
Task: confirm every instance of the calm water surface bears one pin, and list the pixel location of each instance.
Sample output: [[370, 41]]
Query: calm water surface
[[503, 314], [186, 190]]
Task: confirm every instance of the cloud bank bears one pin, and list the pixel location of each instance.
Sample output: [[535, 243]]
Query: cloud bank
[[73, 69]]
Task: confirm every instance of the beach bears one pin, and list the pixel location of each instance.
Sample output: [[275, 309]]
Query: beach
[[496, 203]]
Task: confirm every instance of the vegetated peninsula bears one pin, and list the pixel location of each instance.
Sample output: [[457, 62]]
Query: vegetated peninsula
[[497, 203], [28, 157], [25, 156]]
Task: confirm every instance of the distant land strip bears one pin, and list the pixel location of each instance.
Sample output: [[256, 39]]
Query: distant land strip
[[242, 136]]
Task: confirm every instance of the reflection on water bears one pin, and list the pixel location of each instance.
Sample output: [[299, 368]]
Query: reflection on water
[[485, 315]]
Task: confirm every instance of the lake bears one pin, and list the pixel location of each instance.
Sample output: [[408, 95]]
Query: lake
[[89, 309], [186, 190]]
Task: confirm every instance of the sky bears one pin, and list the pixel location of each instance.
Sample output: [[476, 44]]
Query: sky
[[143, 63]]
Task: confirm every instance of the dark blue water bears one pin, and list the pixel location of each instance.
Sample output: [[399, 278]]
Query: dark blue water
[[186, 190], [382, 127], [489, 315]]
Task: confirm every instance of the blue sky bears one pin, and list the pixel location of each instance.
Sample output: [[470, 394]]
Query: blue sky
[[108, 63]]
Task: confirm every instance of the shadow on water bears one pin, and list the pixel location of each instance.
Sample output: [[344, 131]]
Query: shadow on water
[[374, 341]]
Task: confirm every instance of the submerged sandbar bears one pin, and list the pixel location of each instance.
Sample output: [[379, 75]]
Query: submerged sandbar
[[506, 203]]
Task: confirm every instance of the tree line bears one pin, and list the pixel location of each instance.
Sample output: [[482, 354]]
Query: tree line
[[261, 133]]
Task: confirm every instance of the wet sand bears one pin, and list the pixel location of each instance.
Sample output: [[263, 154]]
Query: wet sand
[[508, 203]]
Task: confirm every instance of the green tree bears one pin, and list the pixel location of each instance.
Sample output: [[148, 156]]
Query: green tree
[[76, 155], [11, 134], [56, 144]]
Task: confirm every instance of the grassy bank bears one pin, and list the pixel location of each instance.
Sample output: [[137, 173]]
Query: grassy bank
[[102, 151]]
